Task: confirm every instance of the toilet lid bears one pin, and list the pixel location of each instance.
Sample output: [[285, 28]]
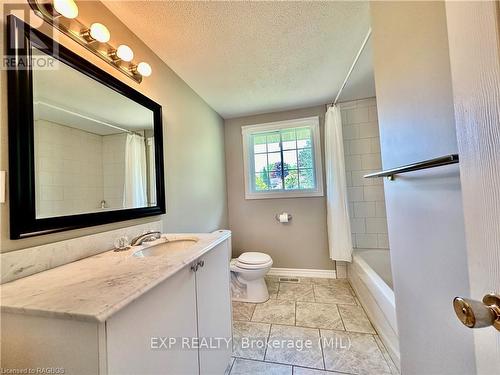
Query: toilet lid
[[243, 266], [254, 258]]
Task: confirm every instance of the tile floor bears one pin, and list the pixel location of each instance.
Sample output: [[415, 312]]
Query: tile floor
[[314, 327]]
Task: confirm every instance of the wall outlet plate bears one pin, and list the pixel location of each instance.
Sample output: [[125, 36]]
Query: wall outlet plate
[[2, 186]]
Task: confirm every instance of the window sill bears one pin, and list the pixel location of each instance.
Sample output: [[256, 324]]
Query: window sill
[[281, 195]]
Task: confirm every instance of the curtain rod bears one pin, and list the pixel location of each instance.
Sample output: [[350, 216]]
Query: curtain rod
[[352, 66], [87, 117]]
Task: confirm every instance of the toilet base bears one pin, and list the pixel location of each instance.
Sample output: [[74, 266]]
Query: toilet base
[[252, 291]]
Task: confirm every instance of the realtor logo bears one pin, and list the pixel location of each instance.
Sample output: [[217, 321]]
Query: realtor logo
[[38, 56]]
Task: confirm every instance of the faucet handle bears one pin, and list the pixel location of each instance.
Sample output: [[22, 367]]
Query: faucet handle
[[122, 243]]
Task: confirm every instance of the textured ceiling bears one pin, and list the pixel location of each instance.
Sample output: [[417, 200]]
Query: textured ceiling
[[253, 57]]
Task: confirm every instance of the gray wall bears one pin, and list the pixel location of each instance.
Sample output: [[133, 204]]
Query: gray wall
[[193, 139], [424, 209], [300, 244]]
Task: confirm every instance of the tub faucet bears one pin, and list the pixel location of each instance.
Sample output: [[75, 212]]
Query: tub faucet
[[145, 237]]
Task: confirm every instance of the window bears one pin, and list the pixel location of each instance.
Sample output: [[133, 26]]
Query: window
[[282, 159]]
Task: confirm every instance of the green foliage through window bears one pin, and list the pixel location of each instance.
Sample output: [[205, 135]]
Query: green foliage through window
[[283, 160]]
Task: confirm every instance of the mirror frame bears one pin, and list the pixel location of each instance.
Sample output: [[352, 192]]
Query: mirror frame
[[23, 222]]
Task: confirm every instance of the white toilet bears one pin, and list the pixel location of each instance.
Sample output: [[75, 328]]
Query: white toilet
[[247, 277]]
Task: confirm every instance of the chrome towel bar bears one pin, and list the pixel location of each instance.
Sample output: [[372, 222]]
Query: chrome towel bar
[[431, 163]]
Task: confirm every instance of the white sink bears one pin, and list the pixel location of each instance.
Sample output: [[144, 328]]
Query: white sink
[[165, 245]]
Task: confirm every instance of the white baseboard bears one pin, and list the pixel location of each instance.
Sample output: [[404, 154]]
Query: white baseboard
[[302, 272]]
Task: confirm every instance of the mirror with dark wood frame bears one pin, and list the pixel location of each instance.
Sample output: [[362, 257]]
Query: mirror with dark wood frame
[[84, 147]]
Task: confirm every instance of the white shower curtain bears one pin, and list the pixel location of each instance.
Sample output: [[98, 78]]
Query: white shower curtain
[[339, 226], [151, 171], [134, 191]]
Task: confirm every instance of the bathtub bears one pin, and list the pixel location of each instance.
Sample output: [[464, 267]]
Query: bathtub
[[370, 276]]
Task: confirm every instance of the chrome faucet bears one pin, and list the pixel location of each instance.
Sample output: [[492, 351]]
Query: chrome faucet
[[145, 237]]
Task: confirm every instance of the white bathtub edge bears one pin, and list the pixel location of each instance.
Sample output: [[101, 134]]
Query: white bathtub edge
[[378, 301]]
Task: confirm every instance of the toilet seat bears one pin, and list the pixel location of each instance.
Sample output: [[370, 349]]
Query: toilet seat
[[236, 263]]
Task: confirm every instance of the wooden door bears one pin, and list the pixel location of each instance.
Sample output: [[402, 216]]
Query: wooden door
[[214, 310], [474, 42]]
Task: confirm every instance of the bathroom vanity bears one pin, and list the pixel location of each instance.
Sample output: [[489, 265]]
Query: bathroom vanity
[[165, 309]]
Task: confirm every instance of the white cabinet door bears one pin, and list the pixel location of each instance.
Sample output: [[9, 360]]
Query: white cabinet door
[[214, 309], [166, 311]]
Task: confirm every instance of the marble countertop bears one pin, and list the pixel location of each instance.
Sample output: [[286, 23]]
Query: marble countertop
[[94, 288]]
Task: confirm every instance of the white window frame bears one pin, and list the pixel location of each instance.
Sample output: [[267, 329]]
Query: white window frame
[[248, 162]]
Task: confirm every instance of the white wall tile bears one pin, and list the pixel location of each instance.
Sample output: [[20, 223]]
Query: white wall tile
[[341, 270], [380, 209], [357, 115], [350, 131], [362, 156], [374, 193], [353, 162], [364, 209], [368, 102], [360, 146], [371, 161], [358, 225], [353, 240], [68, 171], [375, 145], [368, 130], [368, 241], [355, 194], [348, 177], [376, 225], [383, 241], [351, 209], [358, 178], [372, 113]]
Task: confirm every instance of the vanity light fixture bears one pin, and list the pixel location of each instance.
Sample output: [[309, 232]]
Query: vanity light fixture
[[144, 69], [66, 8], [124, 52], [63, 15], [99, 32]]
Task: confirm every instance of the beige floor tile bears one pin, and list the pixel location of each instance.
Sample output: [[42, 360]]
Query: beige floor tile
[[355, 353], [310, 371], [272, 278], [295, 345], [355, 319], [334, 282], [272, 287], [243, 311], [246, 367], [249, 339], [315, 280], [337, 293], [296, 292], [318, 315], [229, 366], [275, 311]]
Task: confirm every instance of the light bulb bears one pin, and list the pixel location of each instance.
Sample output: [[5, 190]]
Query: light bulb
[[66, 8], [99, 32], [144, 69], [125, 53]]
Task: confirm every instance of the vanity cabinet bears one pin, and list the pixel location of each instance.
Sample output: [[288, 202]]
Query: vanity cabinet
[[134, 334], [193, 304], [213, 297]]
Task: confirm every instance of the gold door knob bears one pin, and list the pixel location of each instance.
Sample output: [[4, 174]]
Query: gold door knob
[[476, 314]]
